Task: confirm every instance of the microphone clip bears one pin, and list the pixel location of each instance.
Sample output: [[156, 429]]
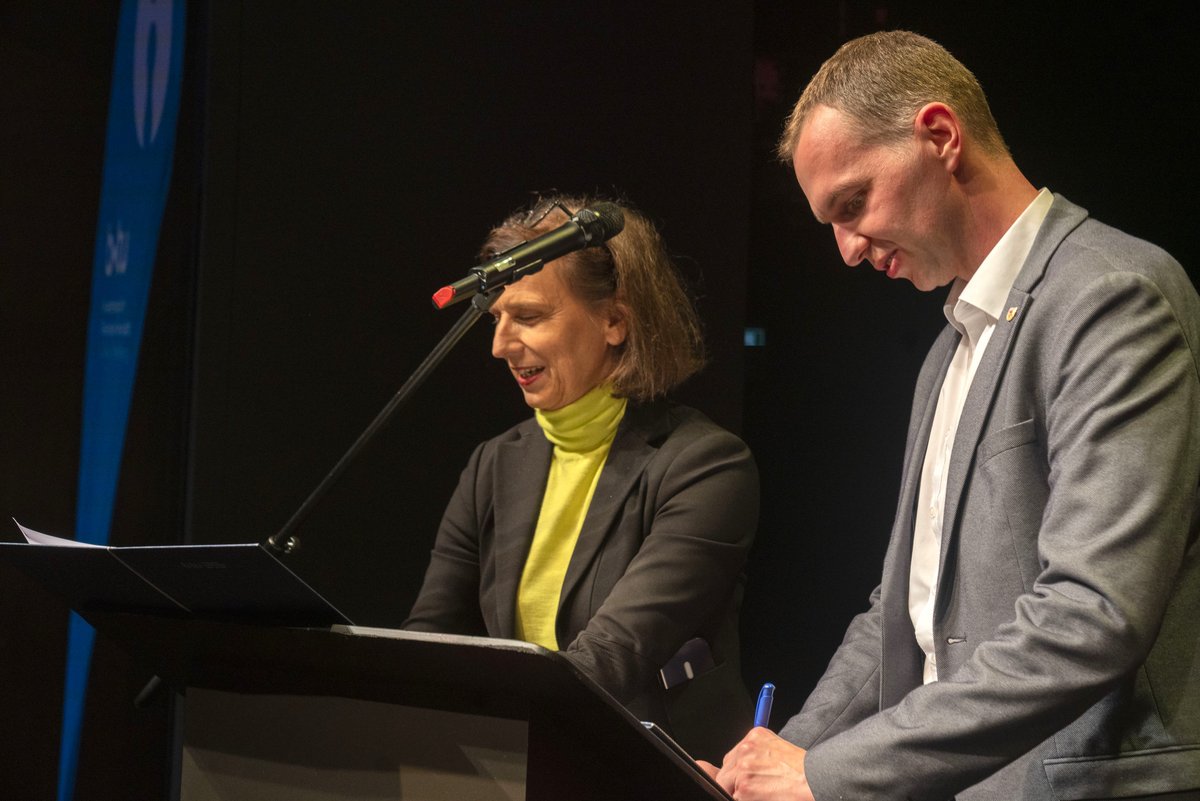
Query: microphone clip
[[585, 228]]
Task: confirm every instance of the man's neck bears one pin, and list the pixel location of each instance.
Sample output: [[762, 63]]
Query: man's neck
[[995, 194]]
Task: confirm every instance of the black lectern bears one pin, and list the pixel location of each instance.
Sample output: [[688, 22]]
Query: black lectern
[[343, 712]]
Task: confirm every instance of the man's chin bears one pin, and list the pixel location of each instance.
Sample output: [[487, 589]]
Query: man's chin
[[925, 284]]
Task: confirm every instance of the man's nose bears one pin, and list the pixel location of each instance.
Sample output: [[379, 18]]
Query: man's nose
[[853, 246]]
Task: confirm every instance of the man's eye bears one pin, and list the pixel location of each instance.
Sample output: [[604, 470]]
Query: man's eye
[[856, 204]]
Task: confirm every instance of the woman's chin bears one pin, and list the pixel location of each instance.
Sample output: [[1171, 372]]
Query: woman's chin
[[536, 400]]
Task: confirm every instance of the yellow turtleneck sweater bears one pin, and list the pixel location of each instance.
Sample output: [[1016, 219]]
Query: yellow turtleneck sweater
[[581, 432]]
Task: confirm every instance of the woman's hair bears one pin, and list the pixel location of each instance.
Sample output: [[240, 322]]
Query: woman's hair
[[882, 80], [663, 343]]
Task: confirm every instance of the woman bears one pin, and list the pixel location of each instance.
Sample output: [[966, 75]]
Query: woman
[[613, 526]]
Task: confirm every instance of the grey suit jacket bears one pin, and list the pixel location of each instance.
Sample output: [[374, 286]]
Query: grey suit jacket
[[1068, 646], [659, 561]]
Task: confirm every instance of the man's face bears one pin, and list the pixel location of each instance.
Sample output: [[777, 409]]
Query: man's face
[[888, 204]]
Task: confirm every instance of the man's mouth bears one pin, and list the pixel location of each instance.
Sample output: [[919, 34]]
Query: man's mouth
[[889, 265]]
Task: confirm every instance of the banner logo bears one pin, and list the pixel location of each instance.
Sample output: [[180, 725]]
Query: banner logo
[[117, 244], [151, 41]]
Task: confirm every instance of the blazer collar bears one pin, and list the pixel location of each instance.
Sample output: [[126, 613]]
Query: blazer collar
[[1062, 218], [522, 466]]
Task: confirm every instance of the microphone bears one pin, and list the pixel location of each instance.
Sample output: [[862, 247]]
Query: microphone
[[587, 228]]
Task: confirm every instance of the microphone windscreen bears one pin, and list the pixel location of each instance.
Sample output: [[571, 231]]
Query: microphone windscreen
[[602, 221]]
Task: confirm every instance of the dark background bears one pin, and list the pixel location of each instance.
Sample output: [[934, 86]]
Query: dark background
[[336, 163]]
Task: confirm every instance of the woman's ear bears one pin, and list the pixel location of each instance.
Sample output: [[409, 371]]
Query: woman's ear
[[615, 320]]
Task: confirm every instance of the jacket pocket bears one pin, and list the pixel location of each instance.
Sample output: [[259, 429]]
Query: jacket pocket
[[1006, 439], [1125, 775]]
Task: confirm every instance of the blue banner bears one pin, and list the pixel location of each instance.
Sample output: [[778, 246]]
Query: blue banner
[[140, 146]]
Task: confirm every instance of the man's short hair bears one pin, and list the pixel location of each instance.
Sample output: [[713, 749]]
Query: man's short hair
[[882, 80]]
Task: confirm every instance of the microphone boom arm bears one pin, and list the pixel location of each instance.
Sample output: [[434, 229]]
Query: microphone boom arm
[[285, 540]]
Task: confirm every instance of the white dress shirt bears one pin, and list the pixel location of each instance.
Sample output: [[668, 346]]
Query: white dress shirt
[[973, 308]]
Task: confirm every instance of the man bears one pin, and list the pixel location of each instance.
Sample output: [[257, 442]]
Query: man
[[1035, 633]]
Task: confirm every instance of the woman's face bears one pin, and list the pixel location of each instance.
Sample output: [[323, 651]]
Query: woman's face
[[556, 346]]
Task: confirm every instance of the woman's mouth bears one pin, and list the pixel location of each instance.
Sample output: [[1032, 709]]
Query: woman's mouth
[[527, 375]]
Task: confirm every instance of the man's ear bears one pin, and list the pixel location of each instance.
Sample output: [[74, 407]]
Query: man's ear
[[937, 126]]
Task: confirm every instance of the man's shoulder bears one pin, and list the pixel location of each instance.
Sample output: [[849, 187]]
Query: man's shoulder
[[1108, 247], [1096, 267], [1088, 251]]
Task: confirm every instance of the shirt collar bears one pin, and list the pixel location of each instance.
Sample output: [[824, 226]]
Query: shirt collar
[[988, 288]]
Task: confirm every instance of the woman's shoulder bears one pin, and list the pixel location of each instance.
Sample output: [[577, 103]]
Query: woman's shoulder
[[525, 433], [525, 428], [683, 448], [674, 425]]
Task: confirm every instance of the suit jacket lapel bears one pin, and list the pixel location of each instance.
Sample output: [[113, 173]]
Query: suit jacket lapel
[[519, 485], [978, 404], [1062, 218]]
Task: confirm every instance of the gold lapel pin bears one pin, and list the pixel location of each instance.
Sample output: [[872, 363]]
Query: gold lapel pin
[[1012, 312]]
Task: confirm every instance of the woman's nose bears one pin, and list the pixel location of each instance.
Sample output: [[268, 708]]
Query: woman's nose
[[502, 339]]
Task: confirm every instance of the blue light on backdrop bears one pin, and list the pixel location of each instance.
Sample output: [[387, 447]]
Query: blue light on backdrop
[[139, 150]]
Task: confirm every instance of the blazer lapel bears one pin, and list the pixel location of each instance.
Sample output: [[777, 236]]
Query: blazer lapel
[[978, 404], [1062, 218], [519, 485], [627, 458]]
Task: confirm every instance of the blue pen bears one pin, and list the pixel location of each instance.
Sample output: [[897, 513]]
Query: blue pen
[[762, 712]]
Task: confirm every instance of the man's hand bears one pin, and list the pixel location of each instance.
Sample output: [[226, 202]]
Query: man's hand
[[763, 767]]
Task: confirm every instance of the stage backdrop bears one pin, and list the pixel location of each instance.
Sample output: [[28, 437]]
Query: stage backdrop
[[337, 162], [356, 157]]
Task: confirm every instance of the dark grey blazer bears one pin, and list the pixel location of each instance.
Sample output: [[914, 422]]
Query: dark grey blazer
[[1068, 645], [659, 560]]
